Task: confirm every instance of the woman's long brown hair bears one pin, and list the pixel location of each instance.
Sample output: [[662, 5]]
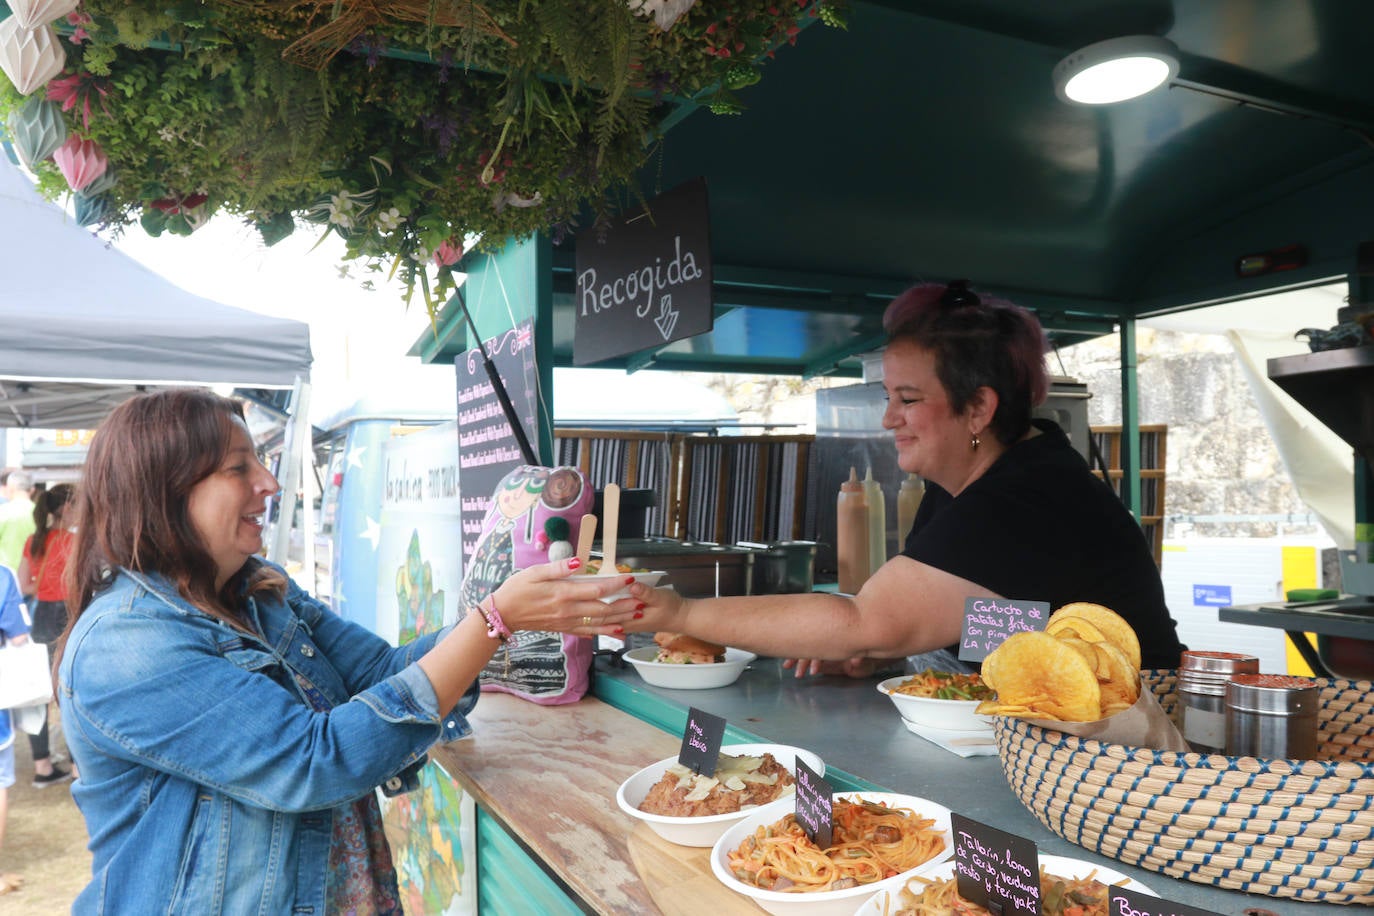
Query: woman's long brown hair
[[131, 506]]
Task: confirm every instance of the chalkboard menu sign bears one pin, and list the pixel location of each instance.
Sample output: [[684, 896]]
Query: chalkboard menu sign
[[815, 809], [701, 740], [487, 447], [989, 621], [997, 870], [1122, 901], [646, 279]]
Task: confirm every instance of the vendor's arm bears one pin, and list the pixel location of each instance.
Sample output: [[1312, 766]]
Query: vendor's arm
[[906, 607]]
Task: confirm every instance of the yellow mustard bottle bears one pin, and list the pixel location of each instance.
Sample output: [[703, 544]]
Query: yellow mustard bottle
[[852, 557], [909, 497]]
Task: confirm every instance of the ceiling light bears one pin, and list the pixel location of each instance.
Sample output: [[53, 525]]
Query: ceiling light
[[1116, 69]]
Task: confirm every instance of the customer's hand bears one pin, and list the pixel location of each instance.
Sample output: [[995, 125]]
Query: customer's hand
[[550, 597]]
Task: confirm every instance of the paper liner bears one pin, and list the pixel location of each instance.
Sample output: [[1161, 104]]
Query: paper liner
[[1145, 724]]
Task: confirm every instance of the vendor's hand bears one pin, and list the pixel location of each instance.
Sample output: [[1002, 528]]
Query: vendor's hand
[[859, 666], [663, 609], [550, 597]]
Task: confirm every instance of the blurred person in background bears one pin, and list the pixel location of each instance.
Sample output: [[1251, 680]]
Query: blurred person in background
[[16, 518], [14, 630], [41, 577]]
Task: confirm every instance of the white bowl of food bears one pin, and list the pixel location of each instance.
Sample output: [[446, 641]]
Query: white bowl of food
[[918, 699], [920, 823], [683, 663], [1069, 872], [648, 577], [704, 829]]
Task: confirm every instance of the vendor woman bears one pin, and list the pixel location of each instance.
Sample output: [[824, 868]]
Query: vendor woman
[[1011, 510]]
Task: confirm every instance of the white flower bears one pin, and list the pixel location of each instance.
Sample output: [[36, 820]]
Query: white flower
[[342, 202], [421, 253], [340, 217], [389, 220]]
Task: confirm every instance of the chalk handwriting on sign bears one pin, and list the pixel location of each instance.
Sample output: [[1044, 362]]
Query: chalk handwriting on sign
[[815, 810], [1124, 902], [645, 280], [701, 742], [989, 621], [487, 447], [997, 870]]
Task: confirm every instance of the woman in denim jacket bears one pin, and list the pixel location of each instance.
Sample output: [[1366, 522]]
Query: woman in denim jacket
[[231, 730]]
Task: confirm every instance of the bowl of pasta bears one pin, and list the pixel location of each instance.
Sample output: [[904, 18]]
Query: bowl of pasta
[[1066, 886], [690, 810], [880, 840], [940, 699]]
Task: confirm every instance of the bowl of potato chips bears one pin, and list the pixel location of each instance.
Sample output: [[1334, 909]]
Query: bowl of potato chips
[[1084, 667]]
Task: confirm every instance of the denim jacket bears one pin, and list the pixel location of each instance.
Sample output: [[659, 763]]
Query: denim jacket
[[208, 782]]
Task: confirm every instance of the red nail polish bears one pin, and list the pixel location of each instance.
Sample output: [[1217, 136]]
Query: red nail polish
[[639, 607], [638, 614], [574, 563], [629, 580], [619, 631]]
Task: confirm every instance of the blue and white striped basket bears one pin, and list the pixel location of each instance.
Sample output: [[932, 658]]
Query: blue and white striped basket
[[1287, 828]]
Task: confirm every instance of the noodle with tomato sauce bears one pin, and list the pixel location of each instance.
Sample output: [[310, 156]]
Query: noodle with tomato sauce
[[870, 842]]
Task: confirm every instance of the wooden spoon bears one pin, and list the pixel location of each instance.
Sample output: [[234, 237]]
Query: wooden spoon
[[610, 521], [586, 532]]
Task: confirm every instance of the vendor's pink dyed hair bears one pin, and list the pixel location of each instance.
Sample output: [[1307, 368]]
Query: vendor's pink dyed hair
[[977, 341]]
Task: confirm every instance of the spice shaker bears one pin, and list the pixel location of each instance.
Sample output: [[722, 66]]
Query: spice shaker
[[1272, 715], [1202, 680]]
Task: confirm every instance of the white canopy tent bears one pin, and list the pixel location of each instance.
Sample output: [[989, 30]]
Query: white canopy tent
[[83, 325]]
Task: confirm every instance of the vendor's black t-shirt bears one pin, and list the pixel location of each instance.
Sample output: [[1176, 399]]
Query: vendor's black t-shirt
[[1038, 526]]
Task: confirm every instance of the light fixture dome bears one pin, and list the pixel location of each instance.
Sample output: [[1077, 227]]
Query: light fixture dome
[[1116, 70]]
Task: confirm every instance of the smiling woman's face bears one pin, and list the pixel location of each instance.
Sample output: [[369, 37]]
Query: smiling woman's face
[[227, 508], [931, 439]]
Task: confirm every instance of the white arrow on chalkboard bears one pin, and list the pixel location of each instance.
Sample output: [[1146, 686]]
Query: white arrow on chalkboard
[[667, 317]]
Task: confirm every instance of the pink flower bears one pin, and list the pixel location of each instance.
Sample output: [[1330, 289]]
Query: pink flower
[[448, 253]]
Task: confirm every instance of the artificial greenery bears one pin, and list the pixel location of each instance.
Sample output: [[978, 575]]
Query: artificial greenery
[[404, 127]]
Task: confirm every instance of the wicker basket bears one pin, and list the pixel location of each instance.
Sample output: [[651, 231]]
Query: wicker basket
[[1286, 828]]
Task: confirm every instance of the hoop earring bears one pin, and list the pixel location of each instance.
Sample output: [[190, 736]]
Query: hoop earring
[[976, 442]]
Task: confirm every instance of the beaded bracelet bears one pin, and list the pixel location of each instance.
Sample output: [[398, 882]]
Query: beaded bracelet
[[496, 627]]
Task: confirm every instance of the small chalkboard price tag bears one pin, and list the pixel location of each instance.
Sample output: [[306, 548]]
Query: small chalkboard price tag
[[1125, 902], [999, 871], [989, 621], [701, 742], [815, 806]]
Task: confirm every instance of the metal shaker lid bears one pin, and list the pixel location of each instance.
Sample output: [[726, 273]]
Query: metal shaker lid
[[1273, 694], [1227, 663]]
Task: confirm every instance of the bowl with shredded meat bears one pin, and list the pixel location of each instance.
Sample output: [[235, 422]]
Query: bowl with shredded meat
[[692, 810]]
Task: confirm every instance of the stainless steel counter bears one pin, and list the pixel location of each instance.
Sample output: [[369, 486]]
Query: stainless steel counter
[[856, 730]]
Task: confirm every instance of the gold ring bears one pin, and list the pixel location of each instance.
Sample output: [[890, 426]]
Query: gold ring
[[586, 621]]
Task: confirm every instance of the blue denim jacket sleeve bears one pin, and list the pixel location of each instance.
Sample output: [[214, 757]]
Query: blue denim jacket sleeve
[[161, 688], [12, 622]]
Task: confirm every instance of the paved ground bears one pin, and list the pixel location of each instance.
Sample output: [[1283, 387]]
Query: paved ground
[[45, 839]]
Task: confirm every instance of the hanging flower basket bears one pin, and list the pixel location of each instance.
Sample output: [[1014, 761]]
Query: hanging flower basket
[[408, 128]]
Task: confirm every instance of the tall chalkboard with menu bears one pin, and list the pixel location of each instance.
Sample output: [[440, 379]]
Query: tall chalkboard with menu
[[645, 280], [487, 447]]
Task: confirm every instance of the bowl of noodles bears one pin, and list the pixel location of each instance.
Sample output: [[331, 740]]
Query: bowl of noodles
[[880, 840], [1068, 887], [703, 829], [940, 699]]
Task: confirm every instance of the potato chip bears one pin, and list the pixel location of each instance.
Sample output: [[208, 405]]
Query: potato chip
[[1083, 648], [1118, 682], [1076, 626], [1029, 665], [1113, 626]]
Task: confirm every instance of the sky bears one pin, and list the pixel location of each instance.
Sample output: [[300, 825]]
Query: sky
[[358, 337]]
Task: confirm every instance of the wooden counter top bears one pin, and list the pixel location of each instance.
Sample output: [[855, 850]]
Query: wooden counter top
[[549, 774]]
